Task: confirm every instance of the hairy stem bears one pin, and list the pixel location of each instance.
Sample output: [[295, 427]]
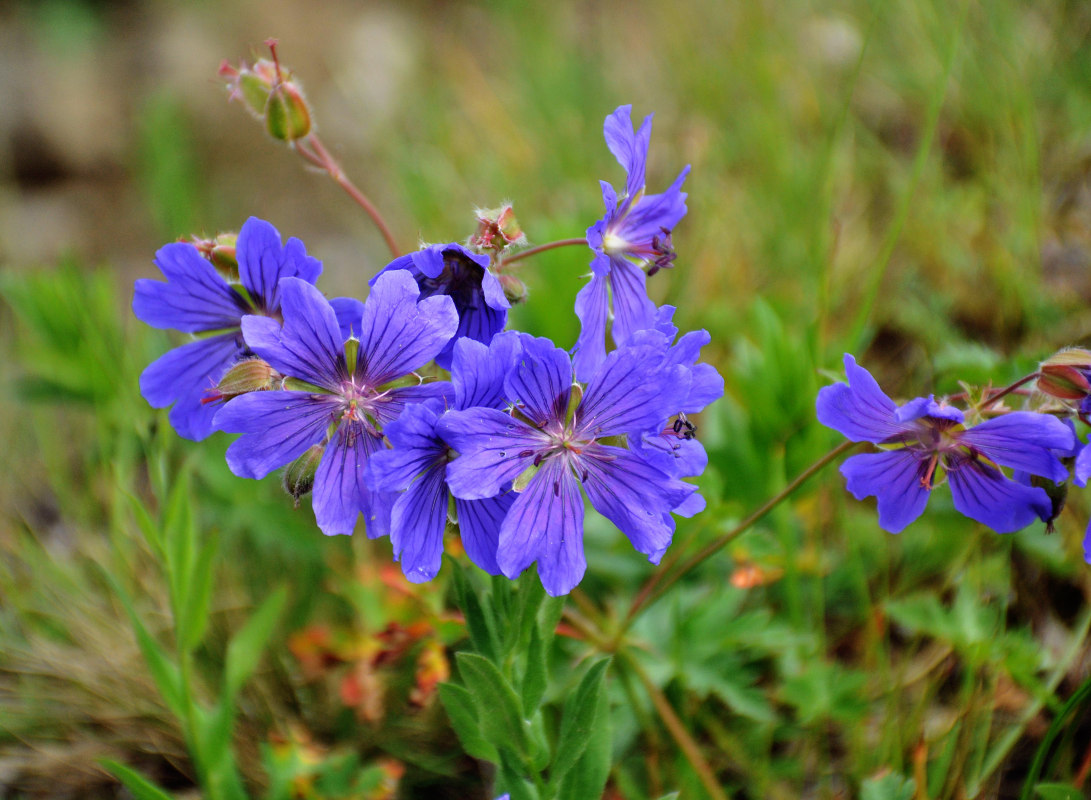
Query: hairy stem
[[533, 251], [312, 149]]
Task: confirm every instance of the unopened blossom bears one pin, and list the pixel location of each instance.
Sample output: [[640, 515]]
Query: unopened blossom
[[928, 440], [465, 277], [633, 236], [198, 299], [553, 447], [341, 391]]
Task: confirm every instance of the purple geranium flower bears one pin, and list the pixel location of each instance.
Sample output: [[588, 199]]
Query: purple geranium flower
[[198, 299], [417, 467], [1081, 474], [672, 445], [465, 277], [635, 230], [929, 436], [558, 442], [342, 391]]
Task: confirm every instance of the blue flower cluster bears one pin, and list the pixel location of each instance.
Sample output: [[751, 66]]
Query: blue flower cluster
[[341, 393], [923, 442]]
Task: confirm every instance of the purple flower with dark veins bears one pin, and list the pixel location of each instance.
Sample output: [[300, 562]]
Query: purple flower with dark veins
[[928, 439], [417, 466], [464, 276], [198, 299], [339, 393], [555, 441], [634, 235]]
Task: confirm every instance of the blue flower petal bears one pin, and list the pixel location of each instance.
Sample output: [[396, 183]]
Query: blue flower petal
[[400, 335], [545, 524], [981, 492], [417, 525], [277, 426], [859, 410], [350, 313], [629, 148], [479, 523], [263, 262], [477, 370], [309, 345], [415, 448], [493, 448], [633, 391], [633, 311], [340, 494], [541, 381], [195, 297], [635, 496], [592, 308], [895, 478], [1023, 440]]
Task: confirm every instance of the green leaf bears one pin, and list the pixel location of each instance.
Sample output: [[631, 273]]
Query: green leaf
[[459, 705], [888, 787], [163, 671], [498, 710], [536, 677], [588, 777], [193, 616], [512, 782], [1057, 791], [247, 645], [577, 725], [141, 787], [479, 622]]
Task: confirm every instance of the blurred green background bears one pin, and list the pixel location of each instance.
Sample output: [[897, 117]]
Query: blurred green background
[[907, 181]]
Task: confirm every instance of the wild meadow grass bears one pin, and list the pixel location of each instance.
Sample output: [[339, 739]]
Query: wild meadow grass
[[904, 181]]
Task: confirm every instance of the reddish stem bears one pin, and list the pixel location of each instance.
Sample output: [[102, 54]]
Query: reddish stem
[[533, 251]]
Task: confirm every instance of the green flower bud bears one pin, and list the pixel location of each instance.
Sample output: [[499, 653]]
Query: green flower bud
[[1064, 375], [298, 477]]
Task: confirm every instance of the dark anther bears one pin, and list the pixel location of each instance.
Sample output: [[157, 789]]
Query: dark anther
[[556, 488], [663, 249], [527, 454], [583, 477], [683, 428], [537, 459]]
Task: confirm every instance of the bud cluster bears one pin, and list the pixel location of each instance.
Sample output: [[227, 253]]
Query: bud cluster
[[271, 93]]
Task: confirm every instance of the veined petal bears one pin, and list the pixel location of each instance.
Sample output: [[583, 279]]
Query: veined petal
[[859, 410], [429, 261], [478, 370], [340, 494], [263, 262], [1022, 440], [493, 448], [493, 291], [541, 380], [192, 419], [479, 524], [654, 212], [634, 390], [545, 524], [195, 297], [350, 314], [894, 477], [1082, 469], [399, 334], [592, 308], [629, 148], [417, 524], [416, 447], [189, 369], [396, 401], [309, 344], [479, 323], [276, 426], [671, 454], [982, 493], [635, 496], [633, 311]]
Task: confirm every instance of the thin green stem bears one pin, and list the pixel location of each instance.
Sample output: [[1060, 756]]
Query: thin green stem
[[533, 251], [312, 149], [988, 401], [659, 583]]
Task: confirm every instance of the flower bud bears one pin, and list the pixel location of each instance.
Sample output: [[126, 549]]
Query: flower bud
[[298, 478], [220, 251], [497, 228], [1064, 375], [249, 375], [271, 94], [514, 289]]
